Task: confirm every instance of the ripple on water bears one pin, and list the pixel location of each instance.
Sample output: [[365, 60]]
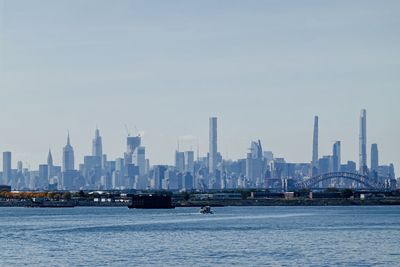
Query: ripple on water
[[275, 236]]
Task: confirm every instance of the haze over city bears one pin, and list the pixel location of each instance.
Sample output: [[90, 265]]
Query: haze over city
[[199, 133], [263, 68]]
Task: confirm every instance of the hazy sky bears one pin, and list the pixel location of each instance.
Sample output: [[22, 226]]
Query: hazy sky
[[264, 68]]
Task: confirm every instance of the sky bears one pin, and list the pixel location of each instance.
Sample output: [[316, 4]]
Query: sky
[[162, 68]]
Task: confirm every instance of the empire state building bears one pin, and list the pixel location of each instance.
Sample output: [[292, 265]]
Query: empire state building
[[68, 157]]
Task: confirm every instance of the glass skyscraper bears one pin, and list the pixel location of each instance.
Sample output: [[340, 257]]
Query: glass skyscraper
[[363, 143], [213, 149]]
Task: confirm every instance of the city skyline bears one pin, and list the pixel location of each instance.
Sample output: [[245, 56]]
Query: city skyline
[[248, 133], [135, 141], [191, 147]]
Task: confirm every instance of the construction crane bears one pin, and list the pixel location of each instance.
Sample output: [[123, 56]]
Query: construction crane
[[138, 133], [127, 130]]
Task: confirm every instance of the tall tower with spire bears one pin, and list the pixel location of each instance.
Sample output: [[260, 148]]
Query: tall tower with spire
[[314, 162], [97, 146], [68, 157], [50, 165]]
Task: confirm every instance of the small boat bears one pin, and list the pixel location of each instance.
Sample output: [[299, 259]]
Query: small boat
[[206, 210]]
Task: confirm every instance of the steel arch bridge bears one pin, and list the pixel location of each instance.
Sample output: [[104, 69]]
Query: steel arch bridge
[[361, 179]]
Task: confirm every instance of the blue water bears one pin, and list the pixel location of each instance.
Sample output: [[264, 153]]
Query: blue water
[[241, 236]]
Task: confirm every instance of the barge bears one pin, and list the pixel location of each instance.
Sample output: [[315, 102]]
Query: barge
[[151, 201]]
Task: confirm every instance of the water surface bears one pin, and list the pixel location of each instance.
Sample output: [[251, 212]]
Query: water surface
[[242, 236]]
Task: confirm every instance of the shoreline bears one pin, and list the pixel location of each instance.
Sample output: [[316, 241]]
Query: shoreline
[[294, 202], [301, 202]]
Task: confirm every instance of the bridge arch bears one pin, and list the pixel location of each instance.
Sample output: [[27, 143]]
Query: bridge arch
[[362, 179]]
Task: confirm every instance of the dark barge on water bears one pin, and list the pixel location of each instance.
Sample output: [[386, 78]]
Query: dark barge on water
[[151, 201]]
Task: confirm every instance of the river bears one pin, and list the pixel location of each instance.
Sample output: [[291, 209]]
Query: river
[[241, 236]]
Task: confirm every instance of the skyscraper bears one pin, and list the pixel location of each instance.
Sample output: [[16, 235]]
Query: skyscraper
[[213, 149], [7, 172], [374, 158], [189, 161], [139, 159], [254, 163], [118, 175], [363, 169], [336, 156], [50, 165], [97, 146], [180, 161], [68, 163], [43, 180], [132, 142], [314, 162], [19, 167], [158, 176]]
